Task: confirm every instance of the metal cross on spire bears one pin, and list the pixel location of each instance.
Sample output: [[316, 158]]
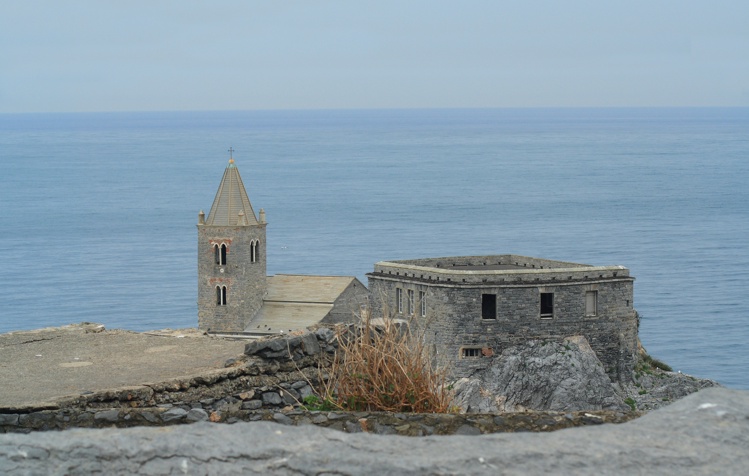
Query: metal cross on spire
[[231, 155]]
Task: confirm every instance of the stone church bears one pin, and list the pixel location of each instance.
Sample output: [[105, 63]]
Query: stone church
[[234, 293]]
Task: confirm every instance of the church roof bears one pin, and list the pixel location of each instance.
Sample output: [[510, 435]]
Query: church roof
[[297, 301], [305, 288], [231, 201]]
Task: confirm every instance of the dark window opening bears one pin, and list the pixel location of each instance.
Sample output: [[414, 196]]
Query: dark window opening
[[219, 253], [547, 305], [488, 306], [423, 301], [221, 295]]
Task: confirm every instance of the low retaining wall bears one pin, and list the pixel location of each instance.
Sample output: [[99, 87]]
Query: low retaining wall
[[268, 382]]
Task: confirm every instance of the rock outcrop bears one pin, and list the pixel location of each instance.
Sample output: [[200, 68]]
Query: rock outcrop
[[543, 376], [704, 433]]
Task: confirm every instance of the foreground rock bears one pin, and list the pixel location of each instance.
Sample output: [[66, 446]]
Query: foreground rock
[[705, 433], [653, 388], [542, 376], [549, 376]]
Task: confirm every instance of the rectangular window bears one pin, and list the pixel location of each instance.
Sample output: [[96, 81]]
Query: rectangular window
[[399, 300], [221, 295], [547, 305], [591, 303], [488, 306], [423, 302], [410, 302], [470, 352]]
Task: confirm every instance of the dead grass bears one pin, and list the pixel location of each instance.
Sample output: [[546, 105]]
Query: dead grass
[[386, 366]]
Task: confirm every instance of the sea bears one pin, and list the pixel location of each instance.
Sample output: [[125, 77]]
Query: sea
[[99, 209]]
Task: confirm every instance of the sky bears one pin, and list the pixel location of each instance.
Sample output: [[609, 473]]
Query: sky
[[80, 56]]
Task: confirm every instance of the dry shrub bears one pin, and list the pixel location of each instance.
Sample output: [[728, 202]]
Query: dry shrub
[[386, 366]]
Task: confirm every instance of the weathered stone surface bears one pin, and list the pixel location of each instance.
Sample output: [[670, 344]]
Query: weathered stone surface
[[173, 414], [252, 405], [310, 344], [107, 415], [540, 375], [653, 388], [196, 414], [705, 433], [272, 398], [8, 419]]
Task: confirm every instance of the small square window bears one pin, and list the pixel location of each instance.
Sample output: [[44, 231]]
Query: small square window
[[470, 352]]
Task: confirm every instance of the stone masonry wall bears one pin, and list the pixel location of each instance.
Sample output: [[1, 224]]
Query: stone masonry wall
[[347, 307], [454, 321], [268, 383], [273, 374], [245, 280]]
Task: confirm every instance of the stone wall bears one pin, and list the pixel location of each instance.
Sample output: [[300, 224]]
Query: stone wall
[[347, 307], [273, 374], [245, 280], [454, 322], [268, 382]]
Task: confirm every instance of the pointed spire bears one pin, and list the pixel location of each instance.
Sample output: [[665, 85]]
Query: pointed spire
[[231, 207]]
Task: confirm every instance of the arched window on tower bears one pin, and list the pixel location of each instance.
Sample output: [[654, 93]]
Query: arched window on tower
[[257, 251], [221, 295], [252, 252], [219, 253]]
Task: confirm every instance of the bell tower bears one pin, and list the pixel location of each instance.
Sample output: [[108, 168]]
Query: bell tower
[[232, 278]]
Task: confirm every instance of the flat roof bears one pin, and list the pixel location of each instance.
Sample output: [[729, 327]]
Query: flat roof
[[493, 269], [43, 366]]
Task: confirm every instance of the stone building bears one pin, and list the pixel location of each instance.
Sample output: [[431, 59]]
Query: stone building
[[473, 307], [234, 293]]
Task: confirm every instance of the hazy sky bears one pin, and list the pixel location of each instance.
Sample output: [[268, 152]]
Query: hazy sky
[[77, 55]]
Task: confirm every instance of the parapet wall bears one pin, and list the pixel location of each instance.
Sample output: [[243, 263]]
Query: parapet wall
[[491, 260], [456, 274]]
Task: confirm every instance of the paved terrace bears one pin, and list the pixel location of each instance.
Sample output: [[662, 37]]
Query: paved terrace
[[41, 366]]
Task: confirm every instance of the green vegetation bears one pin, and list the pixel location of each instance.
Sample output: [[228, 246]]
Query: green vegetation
[[632, 404], [657, 363], [313, 403], [647, 365]]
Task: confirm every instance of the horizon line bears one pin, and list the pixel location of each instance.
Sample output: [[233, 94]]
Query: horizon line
[[353, 109]]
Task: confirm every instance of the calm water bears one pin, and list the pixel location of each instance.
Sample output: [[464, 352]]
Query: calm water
[[100, 209]]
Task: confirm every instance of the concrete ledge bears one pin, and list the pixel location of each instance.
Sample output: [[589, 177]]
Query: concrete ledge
[[705, 433]]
